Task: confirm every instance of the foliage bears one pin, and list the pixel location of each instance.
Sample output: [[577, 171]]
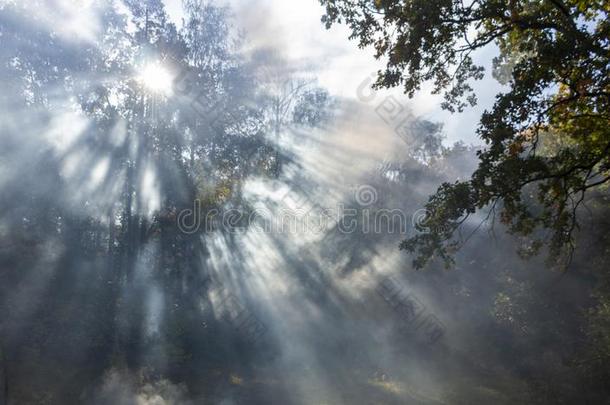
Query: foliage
[[557, 54], [312, 108], [96, 165]]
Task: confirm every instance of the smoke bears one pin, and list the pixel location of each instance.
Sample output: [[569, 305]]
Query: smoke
[[322, 308], [120, 387]]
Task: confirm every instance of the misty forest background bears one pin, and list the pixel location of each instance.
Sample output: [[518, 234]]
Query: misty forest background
[[106, 298]]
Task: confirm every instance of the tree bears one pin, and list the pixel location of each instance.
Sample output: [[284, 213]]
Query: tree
[[312, 108], [547, 138]]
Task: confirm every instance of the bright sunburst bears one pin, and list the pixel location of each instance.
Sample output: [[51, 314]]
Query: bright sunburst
[[156, 78]]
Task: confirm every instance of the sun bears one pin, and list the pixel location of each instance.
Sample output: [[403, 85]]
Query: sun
[[156, 78]]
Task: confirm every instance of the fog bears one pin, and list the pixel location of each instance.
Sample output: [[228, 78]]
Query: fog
[[225, 230]]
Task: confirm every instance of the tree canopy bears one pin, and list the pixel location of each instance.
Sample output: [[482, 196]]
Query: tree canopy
[[547, 138]]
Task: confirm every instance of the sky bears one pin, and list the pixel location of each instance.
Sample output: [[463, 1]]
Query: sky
[[340, 66]]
